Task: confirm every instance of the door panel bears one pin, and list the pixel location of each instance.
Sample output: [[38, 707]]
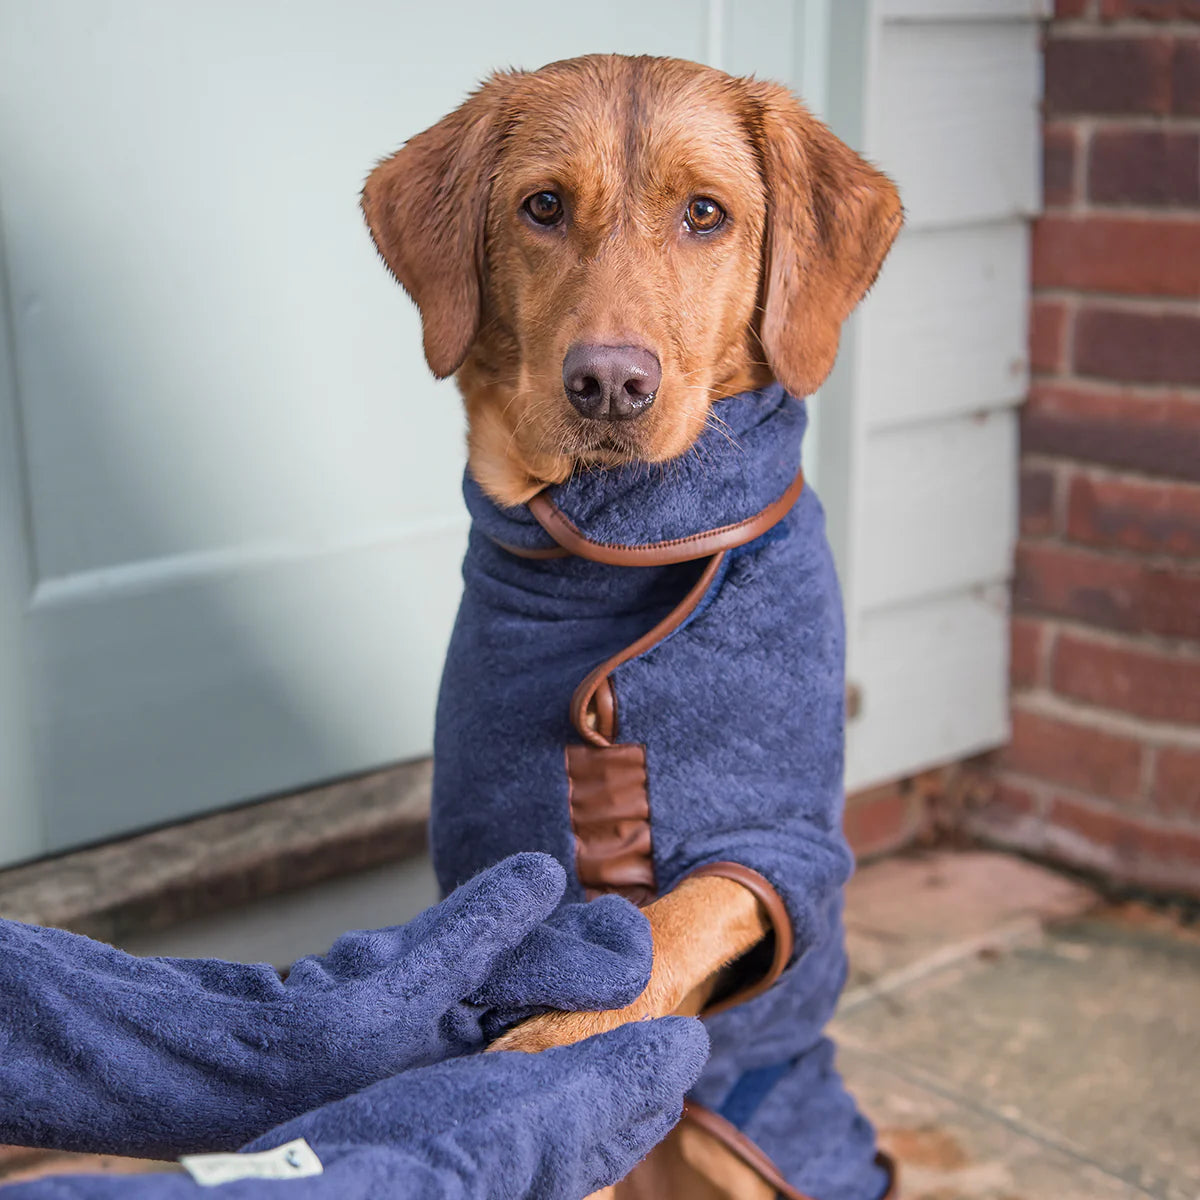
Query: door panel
[[237, 484]]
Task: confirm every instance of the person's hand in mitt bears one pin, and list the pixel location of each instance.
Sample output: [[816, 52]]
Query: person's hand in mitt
[[105, 1052]]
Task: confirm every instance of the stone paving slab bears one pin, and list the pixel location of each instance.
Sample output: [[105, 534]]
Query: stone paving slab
[[906, 916], [947, 1150], [1087, 1044]]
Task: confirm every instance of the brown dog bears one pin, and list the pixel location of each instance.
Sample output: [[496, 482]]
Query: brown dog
[[600, 250]]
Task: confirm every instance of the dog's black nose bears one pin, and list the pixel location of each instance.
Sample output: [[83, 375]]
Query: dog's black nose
[[611, 383]]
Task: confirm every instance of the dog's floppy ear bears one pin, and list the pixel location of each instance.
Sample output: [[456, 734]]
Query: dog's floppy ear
[[831, 218], [426, 208]]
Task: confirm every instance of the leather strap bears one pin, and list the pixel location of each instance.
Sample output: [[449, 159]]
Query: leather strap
[[594, 714], [781, 925], [730, 1136], [534, 551], [655, 554], [606, 780], [733, 1139], [610, 816]]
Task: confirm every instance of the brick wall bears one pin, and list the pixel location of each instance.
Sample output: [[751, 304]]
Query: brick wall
[[1104, 766]]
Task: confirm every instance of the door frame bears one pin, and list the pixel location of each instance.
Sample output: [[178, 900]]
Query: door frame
[[21, 832]]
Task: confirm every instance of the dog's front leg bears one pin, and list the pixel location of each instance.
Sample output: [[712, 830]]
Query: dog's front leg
[[705, 924]]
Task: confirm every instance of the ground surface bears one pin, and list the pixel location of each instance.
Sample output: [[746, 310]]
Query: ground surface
[[1012, 1039]]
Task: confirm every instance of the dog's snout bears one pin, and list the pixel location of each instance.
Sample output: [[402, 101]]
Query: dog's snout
[[611, 383]]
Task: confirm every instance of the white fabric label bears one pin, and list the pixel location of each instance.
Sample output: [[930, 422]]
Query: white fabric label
[[292, 1160]]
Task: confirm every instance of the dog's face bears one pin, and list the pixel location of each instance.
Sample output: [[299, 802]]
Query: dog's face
[[603, 248]]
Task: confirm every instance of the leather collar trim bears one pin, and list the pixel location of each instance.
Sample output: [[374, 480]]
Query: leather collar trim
[[571, 540]]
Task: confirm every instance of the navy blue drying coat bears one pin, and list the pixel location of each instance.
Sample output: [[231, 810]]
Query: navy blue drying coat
[[646, 679]]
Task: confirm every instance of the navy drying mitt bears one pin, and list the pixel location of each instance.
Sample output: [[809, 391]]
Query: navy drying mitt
[[103, 1051], [551, 1126]]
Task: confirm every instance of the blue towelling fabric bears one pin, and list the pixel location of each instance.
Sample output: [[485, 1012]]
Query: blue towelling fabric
[[740, 711]]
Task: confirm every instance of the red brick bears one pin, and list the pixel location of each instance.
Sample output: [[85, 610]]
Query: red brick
[[882, 819], [1159, 687], [1151, 518], [1110, 593], [1157, 168], [1060, 149], [1121, 845], [1145, 10], [1177, 782], [1159, 435], [1065, 9], [1185, 78], [1134, 256], [1037, 502], [1108, 75], [1076, 756], [1132, 346], [1009, 815], [1027, 639], [1047, 336]]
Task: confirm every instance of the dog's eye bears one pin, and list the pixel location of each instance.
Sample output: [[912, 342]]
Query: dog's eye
[[545, 208], [704, 215]]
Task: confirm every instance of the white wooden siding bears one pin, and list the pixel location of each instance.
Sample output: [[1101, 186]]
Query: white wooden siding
[[931, 675], [965, 10], [948, 337], [937, 512], [918, 434], [957, 111]]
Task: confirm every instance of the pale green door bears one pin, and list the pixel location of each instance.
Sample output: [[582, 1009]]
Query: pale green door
[[229, 509]]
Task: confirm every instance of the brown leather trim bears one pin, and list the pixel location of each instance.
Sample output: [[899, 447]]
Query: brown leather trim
[[781, 924], [606, 782], [656, 554], [610, 814], [604, 705], [888, 1163], [731, 1137], [585, 694], [535, 552]]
